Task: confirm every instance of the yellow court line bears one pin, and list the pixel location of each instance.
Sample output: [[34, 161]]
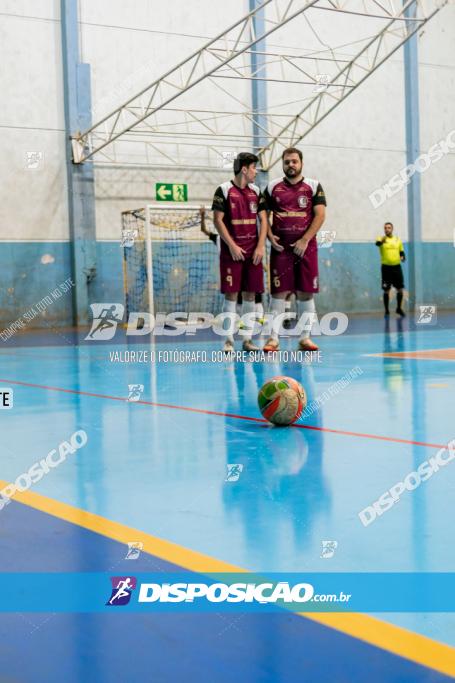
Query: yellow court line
[[413, 646]]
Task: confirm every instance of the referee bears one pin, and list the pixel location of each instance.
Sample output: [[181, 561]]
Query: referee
[[392, 253]]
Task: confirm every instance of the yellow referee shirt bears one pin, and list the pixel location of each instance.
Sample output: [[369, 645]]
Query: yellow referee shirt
[[390, 250]]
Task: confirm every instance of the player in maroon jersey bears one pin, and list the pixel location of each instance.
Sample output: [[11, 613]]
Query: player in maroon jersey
[[297, 205], [237, 204]]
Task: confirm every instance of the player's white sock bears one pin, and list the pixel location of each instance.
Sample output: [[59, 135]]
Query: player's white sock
[[248, 307], [260, 314], [308, 309], [259, 308], [228, 307], [277, 306]]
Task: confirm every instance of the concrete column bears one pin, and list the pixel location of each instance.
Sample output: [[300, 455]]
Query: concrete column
[[81, 190], [259, 88], [412, 112]]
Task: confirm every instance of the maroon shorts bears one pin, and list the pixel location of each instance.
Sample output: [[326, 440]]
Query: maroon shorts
[[292, 273], [240, 276]]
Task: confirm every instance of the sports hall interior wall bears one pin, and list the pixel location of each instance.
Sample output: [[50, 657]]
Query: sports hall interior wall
[[354, 151]]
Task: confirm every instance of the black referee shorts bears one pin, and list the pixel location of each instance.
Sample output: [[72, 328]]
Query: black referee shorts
[[392, 276]]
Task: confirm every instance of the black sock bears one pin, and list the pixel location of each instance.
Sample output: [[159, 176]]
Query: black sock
[[386, 301], [399, 300]]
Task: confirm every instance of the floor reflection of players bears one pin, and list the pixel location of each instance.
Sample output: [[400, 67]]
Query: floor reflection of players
[[282, 479], [106, 319], [394, 369], [395, 343], [135, 392]]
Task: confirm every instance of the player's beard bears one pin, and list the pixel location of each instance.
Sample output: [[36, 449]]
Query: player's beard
[[293, 172]]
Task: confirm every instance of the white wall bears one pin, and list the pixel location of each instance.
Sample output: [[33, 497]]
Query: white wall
[[361, 144], [33, 201], [437, 101], [356, 149]]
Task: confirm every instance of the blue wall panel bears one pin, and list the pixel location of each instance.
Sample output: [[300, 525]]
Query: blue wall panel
[[26, 280], [349, 278]]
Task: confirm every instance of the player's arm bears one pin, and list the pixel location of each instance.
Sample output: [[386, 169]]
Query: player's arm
[[274, 239], [221, 228], [203, 224], [263, 231], [319, 217], [402, 254], [213, 236], [319, 204], [316, 223], [237, 252], [380, 241], [219, 209]]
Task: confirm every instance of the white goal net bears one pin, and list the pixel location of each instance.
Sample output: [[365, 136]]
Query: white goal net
[[169, 264]]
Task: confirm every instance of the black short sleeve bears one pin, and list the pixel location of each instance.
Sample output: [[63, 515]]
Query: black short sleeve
[[267, 200], [219, 202], [262, 206], [319, 196]]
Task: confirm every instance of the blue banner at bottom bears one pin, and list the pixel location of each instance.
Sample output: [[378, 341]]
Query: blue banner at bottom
[[229, 592]]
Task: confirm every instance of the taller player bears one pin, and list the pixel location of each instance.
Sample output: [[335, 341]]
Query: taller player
[[298, 206], [237, 204]]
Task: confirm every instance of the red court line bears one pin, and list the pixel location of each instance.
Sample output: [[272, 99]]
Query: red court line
[[203, 411]]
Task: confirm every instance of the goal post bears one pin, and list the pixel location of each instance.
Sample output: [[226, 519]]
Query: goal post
[[169, 264], [148, 256]]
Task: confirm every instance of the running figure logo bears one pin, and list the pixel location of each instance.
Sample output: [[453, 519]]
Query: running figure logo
[[105, 320], [128, 237], [33, 159], [426, 315], [134, 392], [122, 587], [134, 550], [328, 549], [227, 159], [326, 238], [322, 82], [233, 472]]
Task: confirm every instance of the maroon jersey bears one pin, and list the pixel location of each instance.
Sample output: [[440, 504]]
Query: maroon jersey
[[292, 207], [240, 208]]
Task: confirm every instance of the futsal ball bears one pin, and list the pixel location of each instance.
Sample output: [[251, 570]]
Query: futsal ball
[[282, 400]]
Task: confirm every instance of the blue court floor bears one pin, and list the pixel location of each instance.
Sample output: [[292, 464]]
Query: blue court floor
[[157, 467]]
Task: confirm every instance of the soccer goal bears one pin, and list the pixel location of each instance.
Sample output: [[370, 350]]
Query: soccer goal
[[169, 264]]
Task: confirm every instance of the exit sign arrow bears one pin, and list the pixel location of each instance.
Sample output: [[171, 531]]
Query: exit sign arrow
[[173, 192], [162, 193]]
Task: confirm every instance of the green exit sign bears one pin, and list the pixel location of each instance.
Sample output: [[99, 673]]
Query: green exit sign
[[171, 192]]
